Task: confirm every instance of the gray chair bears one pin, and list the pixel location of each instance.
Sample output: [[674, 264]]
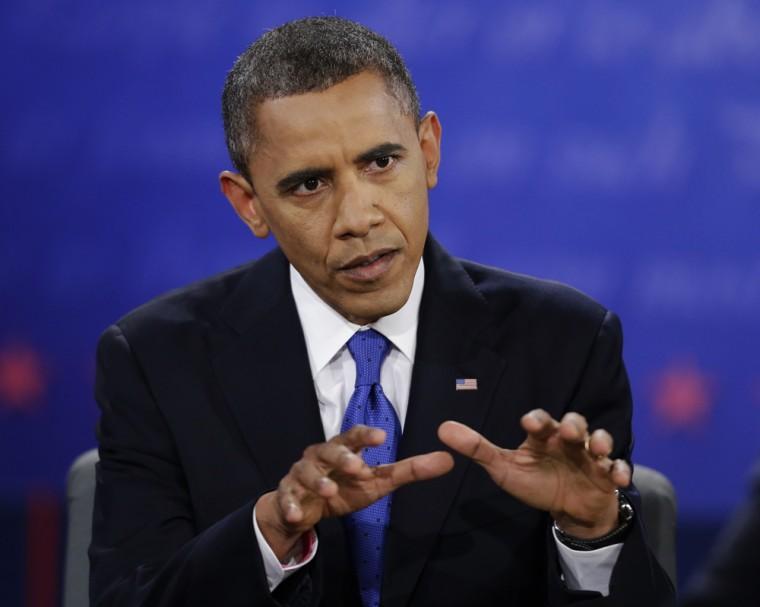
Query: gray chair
[[80, 493], [658, 515]]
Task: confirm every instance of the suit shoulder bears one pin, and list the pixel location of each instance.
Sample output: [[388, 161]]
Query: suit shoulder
[[534, 296], [197, 304]]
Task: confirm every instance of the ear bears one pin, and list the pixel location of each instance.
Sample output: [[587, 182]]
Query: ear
[[243, 199], [429, 134]]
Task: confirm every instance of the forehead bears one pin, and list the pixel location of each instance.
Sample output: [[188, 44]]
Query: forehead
[[347, 118]]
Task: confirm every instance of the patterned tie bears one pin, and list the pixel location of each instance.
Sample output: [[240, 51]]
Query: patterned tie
[[370, 406]]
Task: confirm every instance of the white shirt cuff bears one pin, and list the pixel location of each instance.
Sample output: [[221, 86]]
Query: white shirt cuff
[[276, 571], [587, 569]]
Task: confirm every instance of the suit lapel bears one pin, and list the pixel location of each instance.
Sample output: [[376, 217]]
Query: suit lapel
[[264, 370], [451, 344]]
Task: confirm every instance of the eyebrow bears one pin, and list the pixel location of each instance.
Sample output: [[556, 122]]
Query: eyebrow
[[384, 149], [291, 180], [296, 178]]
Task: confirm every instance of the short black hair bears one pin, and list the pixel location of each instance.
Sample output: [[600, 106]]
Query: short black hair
[[310, 54]]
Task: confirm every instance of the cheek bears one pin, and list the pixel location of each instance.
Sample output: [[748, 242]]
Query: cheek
[[410, 213], [303, 238]]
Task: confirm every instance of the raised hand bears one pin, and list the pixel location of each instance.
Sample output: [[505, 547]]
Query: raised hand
[[331, 479], [559, 468]]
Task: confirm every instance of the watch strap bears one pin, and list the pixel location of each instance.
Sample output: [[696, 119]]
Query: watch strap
[[617, 535]]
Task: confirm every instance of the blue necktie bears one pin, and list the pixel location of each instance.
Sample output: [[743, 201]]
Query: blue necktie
[[370, 406]]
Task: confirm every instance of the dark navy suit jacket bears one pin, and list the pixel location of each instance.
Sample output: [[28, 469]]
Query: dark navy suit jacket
[[207, 400]]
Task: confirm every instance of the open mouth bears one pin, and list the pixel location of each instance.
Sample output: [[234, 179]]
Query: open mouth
[[369, 267]]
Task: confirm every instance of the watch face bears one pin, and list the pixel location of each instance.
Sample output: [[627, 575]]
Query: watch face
[[625, 509]]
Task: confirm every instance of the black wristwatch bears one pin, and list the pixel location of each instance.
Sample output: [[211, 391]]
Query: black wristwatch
[[625, 518]]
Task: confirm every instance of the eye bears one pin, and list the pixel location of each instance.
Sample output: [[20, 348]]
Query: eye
[[309, 186], [382, 163]]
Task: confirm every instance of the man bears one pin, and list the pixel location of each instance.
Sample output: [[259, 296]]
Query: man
[[275, 435]]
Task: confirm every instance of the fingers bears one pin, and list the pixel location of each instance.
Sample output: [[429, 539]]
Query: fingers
[[578, 445], [339, 456], [415, 468], [288, 497], [539, 425], [468, 442], [600, 444], [313, 474], [620, 473], [576, 441], [359, 436], [573, 428]]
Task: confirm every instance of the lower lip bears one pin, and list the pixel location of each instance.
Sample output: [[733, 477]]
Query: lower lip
[[373, 271]]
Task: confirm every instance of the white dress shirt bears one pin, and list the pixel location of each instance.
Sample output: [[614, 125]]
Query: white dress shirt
[[326, 333]]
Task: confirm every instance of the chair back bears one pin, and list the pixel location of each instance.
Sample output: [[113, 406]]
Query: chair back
[[658, 514], [80, 494]]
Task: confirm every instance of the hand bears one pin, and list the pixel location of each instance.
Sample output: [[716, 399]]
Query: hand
[[331, 479], [559, 468]]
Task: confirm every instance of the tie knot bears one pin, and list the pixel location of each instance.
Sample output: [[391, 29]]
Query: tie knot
[[369, 349]]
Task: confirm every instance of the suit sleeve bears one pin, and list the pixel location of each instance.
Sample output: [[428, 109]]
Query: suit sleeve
[[603, 396], [146, 548]]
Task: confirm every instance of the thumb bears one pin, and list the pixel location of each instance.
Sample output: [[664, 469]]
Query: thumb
[[413, 469], [468, 442]]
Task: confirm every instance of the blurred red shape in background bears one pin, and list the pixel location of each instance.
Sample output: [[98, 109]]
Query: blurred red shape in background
[[683, 395], [23, 380]]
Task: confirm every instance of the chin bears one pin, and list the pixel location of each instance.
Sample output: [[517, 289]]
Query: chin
[[372, 311]]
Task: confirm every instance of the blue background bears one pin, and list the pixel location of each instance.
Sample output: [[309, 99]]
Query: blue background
[[613, 146]]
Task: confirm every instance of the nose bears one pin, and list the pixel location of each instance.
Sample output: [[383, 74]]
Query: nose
[[358, 210]]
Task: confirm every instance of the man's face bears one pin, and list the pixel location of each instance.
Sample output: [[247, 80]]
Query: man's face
[[340, 177]]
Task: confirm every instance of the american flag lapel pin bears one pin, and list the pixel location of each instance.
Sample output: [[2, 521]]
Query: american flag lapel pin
[[467, 383]]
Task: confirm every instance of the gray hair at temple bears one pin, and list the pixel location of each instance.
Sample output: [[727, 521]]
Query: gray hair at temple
[[302, 56]]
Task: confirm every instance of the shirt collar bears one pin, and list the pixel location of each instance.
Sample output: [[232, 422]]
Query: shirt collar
[[326, 331]]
